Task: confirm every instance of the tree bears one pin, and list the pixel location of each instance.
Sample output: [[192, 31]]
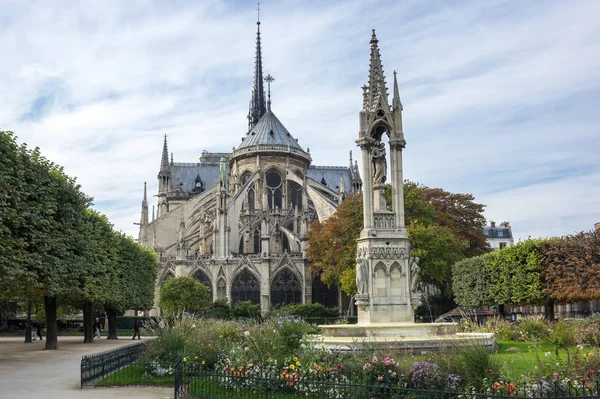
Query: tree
[[471, 282], [135, 275], [437, 249], [442, 226], [571, 267], [184, 294], [332, 244]]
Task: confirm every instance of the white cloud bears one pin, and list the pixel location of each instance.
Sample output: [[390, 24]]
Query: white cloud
[[499, 98]]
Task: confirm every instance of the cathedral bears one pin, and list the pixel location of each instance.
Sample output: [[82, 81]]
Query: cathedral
[[237, 221]]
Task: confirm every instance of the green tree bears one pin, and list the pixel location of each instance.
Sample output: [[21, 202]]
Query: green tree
[[471, 282], [443, 228], [184, 294], [437, 249], [135, 269]]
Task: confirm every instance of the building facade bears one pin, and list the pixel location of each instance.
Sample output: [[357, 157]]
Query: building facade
[[498, 237], [237, 221]]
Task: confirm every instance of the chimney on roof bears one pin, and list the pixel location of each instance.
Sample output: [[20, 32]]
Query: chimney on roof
[[492, 223], [504, 224], [597, 226]]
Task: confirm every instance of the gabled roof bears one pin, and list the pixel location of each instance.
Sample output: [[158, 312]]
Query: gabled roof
[[269, 131]]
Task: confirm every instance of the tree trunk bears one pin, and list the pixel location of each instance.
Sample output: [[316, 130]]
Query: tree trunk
[[111, 315], [51, 329], [88, 330], [549, 310]]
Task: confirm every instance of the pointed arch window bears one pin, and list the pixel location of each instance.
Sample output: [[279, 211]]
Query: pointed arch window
[[245, 287], [203, 278], [285, 288], [274, 193]]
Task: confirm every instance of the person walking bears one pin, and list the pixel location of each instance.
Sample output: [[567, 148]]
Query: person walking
[[97, 328], [136, 329], [38, 328]]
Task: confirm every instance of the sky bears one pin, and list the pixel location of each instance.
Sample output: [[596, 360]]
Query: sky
[[500, 97]]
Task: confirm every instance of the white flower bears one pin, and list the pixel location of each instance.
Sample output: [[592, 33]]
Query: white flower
[[247, 333]]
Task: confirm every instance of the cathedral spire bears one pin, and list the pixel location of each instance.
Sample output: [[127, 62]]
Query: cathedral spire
[[396, 101], [164, 161], [377, 91], [257, 102]]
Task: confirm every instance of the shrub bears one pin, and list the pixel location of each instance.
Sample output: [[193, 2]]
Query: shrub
[[532, 328], [424, 375], [219, 309], [561, 335], [246, 309], [315, 313]]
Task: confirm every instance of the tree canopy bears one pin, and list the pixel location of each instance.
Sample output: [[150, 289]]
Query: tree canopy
[[443, 227], [55, 247], [532, 272], [184, 294]]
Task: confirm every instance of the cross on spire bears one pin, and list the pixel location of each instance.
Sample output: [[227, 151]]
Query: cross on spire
[[269, 79]]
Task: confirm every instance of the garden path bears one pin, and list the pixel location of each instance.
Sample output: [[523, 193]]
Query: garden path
[[29, 371]]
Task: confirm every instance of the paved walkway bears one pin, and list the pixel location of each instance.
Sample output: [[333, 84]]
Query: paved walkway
[[29, 371]]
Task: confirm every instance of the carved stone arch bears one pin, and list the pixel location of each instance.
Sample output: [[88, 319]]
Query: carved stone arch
[[221, 288], [245, 262], [380, 126], [285, 287], [286, 261], [166, 274], [201, 275], [380, 277], [396, 280], [245, 286]]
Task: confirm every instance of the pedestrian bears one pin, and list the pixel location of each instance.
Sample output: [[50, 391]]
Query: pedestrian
[[97, 328], [38, 327], [34, 328], [136, 329]]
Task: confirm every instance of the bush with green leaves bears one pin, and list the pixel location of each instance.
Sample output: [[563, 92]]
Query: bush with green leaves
[[184, 294], [246, 310], [315, 313]]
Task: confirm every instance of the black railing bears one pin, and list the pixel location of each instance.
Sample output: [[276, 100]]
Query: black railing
[[194, 382], [101, 365]]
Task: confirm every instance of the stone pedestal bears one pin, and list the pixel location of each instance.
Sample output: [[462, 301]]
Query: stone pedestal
[[412, 336]]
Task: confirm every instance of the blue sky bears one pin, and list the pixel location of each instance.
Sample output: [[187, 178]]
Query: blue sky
[[500, 97]]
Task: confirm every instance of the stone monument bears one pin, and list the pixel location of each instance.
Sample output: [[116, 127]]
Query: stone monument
[[386, 273]]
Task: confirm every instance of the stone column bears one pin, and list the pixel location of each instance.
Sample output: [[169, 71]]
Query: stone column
[[396, 146], [365, 144]]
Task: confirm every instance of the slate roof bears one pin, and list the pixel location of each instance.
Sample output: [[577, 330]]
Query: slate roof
[[493, 232], [183, 175], [331, 175], [268, 131]]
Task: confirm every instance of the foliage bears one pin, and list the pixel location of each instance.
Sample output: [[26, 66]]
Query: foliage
[[571, 267], [183, 294], [315, 313], [246, 309], [471, 281], [332, 244], [424, 375], [562, 335], [437, 249], [444, 228]]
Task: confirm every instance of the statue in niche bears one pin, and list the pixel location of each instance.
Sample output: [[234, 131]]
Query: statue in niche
[[414, 272], [362, 275], [379, 163]]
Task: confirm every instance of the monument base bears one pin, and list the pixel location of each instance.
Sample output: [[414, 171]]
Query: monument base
[[409, 336]]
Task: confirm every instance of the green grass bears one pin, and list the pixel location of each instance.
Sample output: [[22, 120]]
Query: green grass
[[520, 358], [134, 375]]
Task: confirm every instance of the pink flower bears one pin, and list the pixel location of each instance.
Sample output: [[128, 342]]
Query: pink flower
[[387, 362], [380, 378], [555, 375], [394, 374], [374, 360], [367, 366], [339, 367], [389, 371]]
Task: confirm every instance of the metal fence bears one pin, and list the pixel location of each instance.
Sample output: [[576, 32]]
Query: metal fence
[[193, 382], [101, 365]]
